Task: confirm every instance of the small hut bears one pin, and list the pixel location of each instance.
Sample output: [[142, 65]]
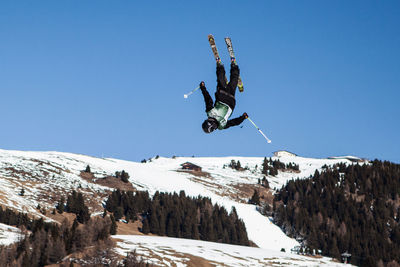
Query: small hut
[[190, 167], [284, 153]]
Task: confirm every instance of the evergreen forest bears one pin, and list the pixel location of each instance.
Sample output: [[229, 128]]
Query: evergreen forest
[[345, 208], [178, 215]]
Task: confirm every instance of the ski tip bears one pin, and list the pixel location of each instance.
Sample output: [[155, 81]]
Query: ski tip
[[269, 141]]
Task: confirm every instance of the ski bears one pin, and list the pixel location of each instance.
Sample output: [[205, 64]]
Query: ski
[[214, 49], [228, 42]]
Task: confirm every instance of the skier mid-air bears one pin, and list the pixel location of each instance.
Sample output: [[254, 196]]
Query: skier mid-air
[[219, 113]]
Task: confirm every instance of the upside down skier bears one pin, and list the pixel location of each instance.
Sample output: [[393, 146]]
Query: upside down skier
[[219, 113]]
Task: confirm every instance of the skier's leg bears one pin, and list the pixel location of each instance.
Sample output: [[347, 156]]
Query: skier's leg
[[233, 79], [221, 78]]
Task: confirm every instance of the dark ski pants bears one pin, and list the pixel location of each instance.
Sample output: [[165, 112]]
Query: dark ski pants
[[230, 87]]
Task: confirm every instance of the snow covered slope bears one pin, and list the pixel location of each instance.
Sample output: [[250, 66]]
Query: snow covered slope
[[166, 251], [9, 235], [45, 176]]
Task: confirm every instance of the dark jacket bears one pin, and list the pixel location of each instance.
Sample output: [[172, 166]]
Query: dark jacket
[[225, 93]]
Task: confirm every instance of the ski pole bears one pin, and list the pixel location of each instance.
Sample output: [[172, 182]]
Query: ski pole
[[269, 141], [194, 90]]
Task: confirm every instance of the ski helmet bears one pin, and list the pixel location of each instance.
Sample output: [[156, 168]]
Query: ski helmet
[[209, 125]]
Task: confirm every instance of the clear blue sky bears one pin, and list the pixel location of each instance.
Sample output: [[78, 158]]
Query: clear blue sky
[[107, 78]]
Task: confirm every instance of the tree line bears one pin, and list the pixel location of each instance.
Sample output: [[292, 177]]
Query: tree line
[[43, 243], [354, 209], [271, 167], [178, 215]]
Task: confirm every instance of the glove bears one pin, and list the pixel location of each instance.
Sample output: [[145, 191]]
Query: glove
[[202, 85], [245, 115]]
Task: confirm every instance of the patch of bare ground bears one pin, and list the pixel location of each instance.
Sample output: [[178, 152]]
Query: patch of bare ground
[[19, 184], [96, 255], [195, 261], [209, 184], [24, 183], [108, 181], [69, 217], [131, 228], [245, 191], [196, 173], [7, 203], [241, 192], [57, 169], [11, 171], [252, 244], [188, 259]]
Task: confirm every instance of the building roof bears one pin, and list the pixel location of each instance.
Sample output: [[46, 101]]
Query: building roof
[[189, 164], [284, 151]]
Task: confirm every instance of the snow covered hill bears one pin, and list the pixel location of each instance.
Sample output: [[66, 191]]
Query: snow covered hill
[[184, 252], [9, 234], [45, 176]]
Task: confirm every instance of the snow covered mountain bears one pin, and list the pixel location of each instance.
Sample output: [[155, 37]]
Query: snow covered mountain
[[32, 179]]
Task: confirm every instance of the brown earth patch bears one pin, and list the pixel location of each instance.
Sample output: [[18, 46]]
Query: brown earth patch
[[58, 170], [84, 258], [70, 217], [194, 261], [17, 173], [207, 183], [131, 228], [196, 173], [108, 181], [246, 191]]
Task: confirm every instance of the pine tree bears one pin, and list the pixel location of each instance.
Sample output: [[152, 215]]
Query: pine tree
[[87, 169], [124, 177], [145, 227], [113, 227], [61, 205], [255, 199], [265, 182]]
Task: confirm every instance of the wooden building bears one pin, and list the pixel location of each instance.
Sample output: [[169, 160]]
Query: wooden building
[[190, 167]]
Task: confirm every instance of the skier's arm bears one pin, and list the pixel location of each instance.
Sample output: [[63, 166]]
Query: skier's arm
[[207, 98], [236, 121]]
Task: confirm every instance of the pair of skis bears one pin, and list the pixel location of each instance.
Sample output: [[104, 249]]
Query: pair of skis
[[214, 49]]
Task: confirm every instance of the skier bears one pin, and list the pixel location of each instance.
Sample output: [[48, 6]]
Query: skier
[[219, 113]]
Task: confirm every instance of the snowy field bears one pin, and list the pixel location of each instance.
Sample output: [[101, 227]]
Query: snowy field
[[165, 251], [9, 235], [42, 172]]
